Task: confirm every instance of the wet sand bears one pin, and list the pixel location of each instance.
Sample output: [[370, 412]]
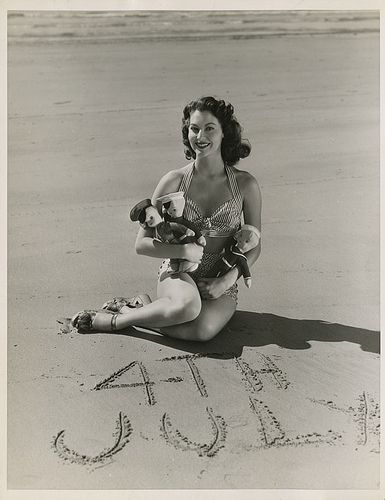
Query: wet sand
[[287, 395]]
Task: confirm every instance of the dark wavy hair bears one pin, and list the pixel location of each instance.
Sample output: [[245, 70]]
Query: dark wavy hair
[[233, 147]]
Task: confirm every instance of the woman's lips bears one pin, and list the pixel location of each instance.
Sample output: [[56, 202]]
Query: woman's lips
[[202, 145]]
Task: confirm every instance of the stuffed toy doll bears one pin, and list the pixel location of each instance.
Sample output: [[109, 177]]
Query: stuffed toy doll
[[244, 240], [170, 227], [172, 206]]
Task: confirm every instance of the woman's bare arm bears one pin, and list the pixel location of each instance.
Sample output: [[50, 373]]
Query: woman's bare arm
[[252, 208]]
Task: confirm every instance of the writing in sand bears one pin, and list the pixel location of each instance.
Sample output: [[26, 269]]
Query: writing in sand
[[258, 380]]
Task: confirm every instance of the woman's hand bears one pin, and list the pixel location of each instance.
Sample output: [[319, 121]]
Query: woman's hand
[[212, 288], [193, 252]]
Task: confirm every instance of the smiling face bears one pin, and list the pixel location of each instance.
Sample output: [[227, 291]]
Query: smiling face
[[205, 133]]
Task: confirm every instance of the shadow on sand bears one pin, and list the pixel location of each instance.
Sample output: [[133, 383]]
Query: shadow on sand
[[260, 329]]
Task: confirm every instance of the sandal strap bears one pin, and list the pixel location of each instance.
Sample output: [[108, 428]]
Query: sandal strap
[[114, 317]]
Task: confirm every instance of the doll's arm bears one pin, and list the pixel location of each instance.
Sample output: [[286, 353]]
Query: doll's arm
[[166, 233], [224, 264], [241, 261], [200, 239], [220, 268], [245, 270], [188, 224]]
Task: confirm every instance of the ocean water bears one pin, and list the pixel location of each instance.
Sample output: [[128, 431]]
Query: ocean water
[[94, 26]]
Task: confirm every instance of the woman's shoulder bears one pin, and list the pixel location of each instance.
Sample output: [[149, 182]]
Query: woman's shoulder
[[176, 175], [251, 196], [170, 181], [246, 181]]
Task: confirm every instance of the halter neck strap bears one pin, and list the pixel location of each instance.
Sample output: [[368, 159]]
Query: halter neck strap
[[234, 188]]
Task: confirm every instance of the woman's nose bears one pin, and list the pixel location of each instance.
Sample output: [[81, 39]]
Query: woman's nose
[[200, 133]]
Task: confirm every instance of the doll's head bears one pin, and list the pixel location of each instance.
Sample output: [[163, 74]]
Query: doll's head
[[146, 214], [247, 237], [152, 218], [172, 204]]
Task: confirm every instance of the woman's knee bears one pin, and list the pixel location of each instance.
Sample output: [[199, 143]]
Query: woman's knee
[[183, 309], [204, 331], [211, 322]]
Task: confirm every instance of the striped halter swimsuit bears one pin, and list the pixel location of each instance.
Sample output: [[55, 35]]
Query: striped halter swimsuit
[[224, 221]]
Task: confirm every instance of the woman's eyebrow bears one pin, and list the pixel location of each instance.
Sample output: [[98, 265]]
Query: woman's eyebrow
[[210, 123]]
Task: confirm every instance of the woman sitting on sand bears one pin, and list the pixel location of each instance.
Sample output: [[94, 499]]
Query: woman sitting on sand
[[191, 306]]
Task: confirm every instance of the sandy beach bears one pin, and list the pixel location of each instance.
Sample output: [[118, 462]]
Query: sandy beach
[[287, 396]]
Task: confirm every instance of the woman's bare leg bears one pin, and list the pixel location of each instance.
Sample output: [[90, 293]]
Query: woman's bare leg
[[214, 315], [178, 302]]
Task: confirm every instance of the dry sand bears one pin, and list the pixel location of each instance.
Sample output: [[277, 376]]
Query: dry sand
[[287, 396]]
